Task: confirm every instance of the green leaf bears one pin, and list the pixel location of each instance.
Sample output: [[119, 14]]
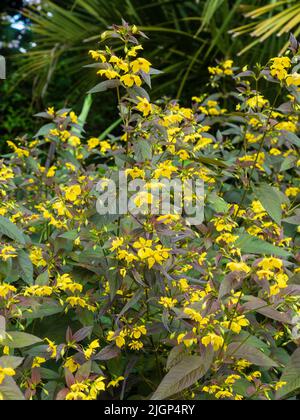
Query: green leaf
[[135, 298], [11, 361], [252, 354], [291, 137], [143, 150], [10, 390], [71, 234], [288, 163], [103, 86], [18, 339], [290, 375], [44, 131], [84, 371], [262, 307], [49, 374], [183, 375], [43, 279], [175, 356], [40, 310], [26, 267], [271, 201], [10, 230], [217, 203], [253, 245]]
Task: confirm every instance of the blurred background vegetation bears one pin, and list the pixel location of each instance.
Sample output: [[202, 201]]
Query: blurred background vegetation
[[46, 44]]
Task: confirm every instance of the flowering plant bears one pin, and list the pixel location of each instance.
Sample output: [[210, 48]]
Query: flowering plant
[[147, 305]]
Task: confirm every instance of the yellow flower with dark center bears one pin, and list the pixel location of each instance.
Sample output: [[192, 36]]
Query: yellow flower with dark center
[[215, 340], [140, 64], [72, 192], [97, 56], [131, 79], [144, 106], [71, 364], [109, 74]]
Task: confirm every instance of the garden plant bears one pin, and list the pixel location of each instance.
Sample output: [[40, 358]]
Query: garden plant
[[146, 305]]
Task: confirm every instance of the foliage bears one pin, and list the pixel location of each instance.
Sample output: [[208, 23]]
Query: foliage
[[276, 17], [186, 36], [147, 306]]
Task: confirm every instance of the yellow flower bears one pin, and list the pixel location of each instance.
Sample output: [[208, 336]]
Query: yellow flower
[[167, 219], [140, 64], [167, 302], [74, 141], [143, 197], [91, 349], [131, 79], [275, 152], [71, 364], [293, 79], [20, 152], [5, 289], [8, 252], [133, 51], [144, 106], [215, 340], [165, 170], [97, 56], [96, 387], [6, 372], [238, 266], [36, 256], [65, 283], [121, 64], [137, 332], [37, 290], [188, 342], [292, 191], [228, 238], [257, 101], [118, 338], [109, 74], [135, 345], [270, 263], [202, 257], [51, 172], [104, 146], [279, 67], [52, 348], [115, 382], [116, 243], [279, 385], [73, 192], [93, 143], [51, 111], [236, 324], [38, 361], [73, 117], [135, 173], [76, 301]]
